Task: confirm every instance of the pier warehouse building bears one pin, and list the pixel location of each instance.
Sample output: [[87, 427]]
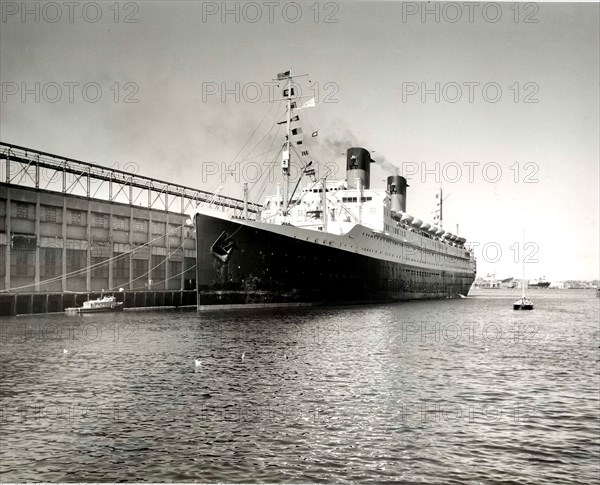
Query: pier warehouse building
[[59, 243], [69, 229]]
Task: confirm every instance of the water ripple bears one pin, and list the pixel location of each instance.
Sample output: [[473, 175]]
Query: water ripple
[[420, 392]]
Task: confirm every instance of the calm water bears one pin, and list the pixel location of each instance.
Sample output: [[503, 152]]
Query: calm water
[[438, 391]]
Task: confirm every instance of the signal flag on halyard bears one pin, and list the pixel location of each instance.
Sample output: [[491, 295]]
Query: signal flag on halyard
[[295, 118], [299, 142], [305, 153], [310, 171], [283, 75], [297, 131], [309, 104], [315, 133]]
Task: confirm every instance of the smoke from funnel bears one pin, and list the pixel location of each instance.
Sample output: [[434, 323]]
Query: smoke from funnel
[[386, 165], [335, 146]]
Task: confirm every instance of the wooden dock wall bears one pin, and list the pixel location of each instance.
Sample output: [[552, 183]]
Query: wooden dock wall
[[31, 303]]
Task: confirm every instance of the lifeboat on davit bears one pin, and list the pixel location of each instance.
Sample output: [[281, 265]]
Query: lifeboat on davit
[[416, 223], [397, 216], [433, 230], [426, 227], [439, 232], [407, 218]]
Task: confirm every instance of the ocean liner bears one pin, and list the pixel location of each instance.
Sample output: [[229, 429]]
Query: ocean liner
[[329, 242]]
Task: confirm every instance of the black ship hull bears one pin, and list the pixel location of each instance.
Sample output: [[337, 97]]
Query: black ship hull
[[541, 285], [522, 307], [241, 263]]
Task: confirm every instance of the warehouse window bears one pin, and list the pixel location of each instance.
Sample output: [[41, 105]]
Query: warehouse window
[[158, 228], [101, 270], [22, 211], [100, 220], [140, 269], [140, 225], [51, 263], [76, 218], [158, 268], [120, 224], [76, 260], [190, 268], [23, 262], [122, 267], [175, 268], [50, 214]]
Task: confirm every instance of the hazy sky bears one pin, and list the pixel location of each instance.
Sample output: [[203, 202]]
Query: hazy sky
[[537, 118]]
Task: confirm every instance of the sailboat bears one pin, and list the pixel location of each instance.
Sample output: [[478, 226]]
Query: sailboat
[[523, 303]]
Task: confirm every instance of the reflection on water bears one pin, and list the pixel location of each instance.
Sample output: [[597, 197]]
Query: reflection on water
[[452, 391]]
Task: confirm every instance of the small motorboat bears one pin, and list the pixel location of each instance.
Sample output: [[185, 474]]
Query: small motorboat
[[523, 303], [102, 304]]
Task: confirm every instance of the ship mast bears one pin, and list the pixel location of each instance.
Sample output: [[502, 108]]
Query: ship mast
[[359, 186], [441, 214], [324, 204], [287, 151], [440, 211], [523, 257], [245, 191]]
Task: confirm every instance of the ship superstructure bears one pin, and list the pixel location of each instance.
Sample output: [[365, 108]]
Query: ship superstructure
[[328, 241], [539, 283]]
